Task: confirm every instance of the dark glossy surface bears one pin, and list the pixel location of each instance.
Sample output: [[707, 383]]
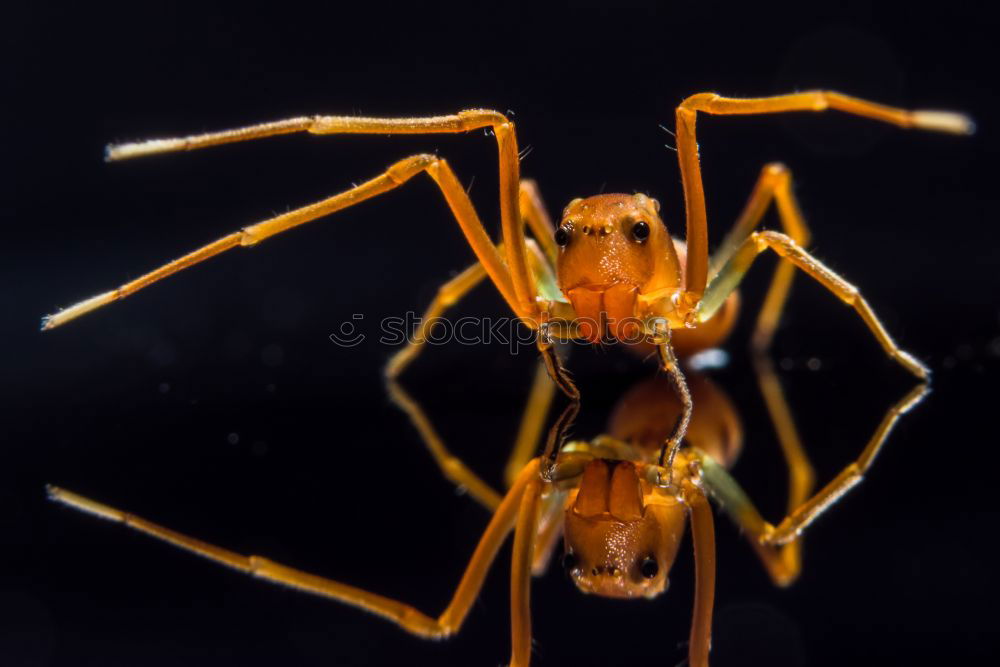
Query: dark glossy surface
[[215, 403]]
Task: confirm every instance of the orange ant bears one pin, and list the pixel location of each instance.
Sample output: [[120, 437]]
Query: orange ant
[[611, 267], [621, 525]]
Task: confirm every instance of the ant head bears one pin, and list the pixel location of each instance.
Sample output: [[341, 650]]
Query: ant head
[[613, 248], [616, 545]]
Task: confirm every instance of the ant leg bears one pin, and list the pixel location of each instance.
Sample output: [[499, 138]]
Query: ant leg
[[732, 273], [668, 362], [464, 121], [402, 614], [774, 184], [556, 370], [536, 409], [392, 178], [533, 213], [539, 400], [550, 529], [550, 373], [696, 274], [520, 571], [561, 378], [784, 565], [455, 470], [451, 466], [447, 296], [457, 288], [528, 435], [800, 518], [557, 323], [785, 562], [530, 431], [703, 534]]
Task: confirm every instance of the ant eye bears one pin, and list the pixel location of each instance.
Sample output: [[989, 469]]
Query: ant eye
[[562, 236], [649, 568], [640, 231], [569, 562]]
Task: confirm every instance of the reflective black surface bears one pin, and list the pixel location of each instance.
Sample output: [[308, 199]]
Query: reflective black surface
[[216, 404]]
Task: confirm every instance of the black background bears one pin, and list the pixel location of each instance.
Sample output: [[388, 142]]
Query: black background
[[135, 404]]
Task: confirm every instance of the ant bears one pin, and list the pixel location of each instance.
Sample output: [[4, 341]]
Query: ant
[[610, 268], [621, 526]]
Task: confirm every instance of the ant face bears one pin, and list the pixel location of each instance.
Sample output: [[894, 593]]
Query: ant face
[[615, 545], [613, 248]]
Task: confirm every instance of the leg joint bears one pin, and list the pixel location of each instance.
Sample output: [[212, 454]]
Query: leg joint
[[778, 238], [404, 170], [453, 468], [849, 291], [419, 624], [698, 101], [447, 297], [776, 171], [476, 118], [247, 239]]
